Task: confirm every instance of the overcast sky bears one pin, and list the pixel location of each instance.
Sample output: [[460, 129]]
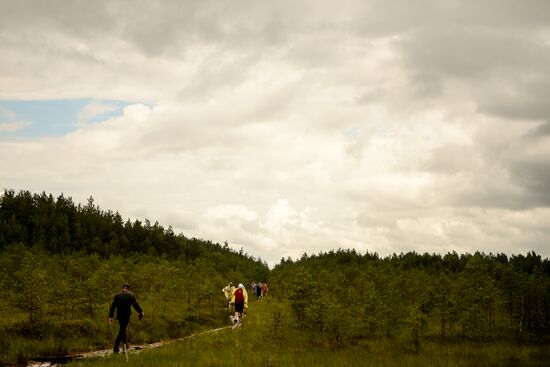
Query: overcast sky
[[286, 127]]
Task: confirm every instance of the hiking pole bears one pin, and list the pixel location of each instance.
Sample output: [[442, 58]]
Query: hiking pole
[[125, 351]]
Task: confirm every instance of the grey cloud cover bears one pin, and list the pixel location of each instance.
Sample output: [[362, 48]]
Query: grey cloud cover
[[291, 127]]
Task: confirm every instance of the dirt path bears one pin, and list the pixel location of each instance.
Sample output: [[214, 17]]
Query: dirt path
[[59, 360]]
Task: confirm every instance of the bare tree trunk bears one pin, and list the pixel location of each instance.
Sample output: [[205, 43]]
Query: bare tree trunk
[[511, 313], [521, 317], [388, 324], [529, 316], [416, 336], [443, 319]]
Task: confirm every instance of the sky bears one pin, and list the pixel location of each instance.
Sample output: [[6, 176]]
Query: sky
[[288, 127]]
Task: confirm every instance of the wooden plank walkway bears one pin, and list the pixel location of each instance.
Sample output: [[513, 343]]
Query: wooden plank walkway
[[58, 360]]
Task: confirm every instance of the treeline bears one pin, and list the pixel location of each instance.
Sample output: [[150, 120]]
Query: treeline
[[61, 263], [58, 225], [342, 296]]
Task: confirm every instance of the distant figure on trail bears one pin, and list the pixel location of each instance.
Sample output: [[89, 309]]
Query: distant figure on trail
[[240, 300], [254, 285], [123, 302], [228, 291], [259, 290], [265, 289]]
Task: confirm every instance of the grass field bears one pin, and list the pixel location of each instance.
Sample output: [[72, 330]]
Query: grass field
[[268, 338]]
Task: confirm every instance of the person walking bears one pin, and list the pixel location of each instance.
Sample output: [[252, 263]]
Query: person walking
[[265, 289], [240, 300], [259, 290], [254, 285], [228, 291], [123, 302]]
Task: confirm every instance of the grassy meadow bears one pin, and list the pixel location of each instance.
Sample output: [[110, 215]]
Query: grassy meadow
[[269, 338]]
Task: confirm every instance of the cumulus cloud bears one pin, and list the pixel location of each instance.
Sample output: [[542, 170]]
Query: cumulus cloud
[[91, 111], [12, 126], [294, 127], [10, 122]]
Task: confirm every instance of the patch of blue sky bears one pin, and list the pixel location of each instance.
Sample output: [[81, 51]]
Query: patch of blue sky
[[48, 118], [352, 133]]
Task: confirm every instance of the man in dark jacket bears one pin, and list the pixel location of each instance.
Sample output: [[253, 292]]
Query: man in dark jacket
[[123, 302]]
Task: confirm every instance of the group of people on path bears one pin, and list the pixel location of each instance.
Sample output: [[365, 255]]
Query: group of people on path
[[237, 298], [260, 289]]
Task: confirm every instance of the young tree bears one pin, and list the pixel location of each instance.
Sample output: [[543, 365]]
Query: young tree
[[32, 287]]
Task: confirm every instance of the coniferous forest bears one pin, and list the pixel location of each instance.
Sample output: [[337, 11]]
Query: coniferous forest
[[345, 296], [61, 263]]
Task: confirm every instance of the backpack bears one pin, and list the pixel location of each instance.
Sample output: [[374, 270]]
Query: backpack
[[239, 296]]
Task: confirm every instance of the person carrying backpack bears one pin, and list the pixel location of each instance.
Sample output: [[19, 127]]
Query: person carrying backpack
[[240, 300]]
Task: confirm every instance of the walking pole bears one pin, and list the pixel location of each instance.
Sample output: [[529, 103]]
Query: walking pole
[[125, 351]]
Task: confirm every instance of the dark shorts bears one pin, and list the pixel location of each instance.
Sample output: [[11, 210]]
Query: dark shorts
[[239, 307]]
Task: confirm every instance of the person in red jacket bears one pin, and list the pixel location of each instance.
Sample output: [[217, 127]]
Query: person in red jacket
[[123, 302], [240, 300]]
